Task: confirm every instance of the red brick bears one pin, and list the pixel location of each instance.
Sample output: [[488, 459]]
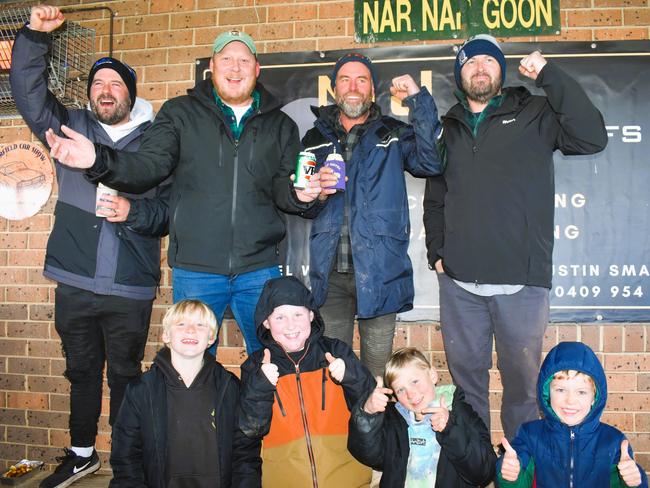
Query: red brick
[[14, 382], [621, 382], [28, 366], [12, 452], [550, 338], [41, 312], [13, 347], [320, 28], [60, 403], [231, 356], [167, 73], [27, 294], [292, 12], [171, 6], [628, 402], [589, 17], [35, 277], [419, 336], [13, 275], [45, 349], [642, 422], [48, 384], [193, 20], [239, 16], [567, 333], [622, 421], [32, 401], [26, 257], [627, 362], [643, 382], [38, 222], [169, 38], [13, 241], [614, 34], [590, 335], [38, 240], [129, 42], [12, 417], [331, 10], [636, 16], [27, 435], [612, 338], [146, 23]]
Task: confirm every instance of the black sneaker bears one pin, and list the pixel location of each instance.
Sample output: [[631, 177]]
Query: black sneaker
[[71, 468]]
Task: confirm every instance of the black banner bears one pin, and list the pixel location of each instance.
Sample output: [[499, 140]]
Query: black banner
[[602, 218]]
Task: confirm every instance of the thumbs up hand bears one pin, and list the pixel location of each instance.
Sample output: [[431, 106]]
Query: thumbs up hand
[[627, 467], [510, 467], [336, 367], [269, 369], [377, 400]]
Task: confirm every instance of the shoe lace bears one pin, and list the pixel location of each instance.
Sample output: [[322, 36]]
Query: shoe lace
[[68, 454]]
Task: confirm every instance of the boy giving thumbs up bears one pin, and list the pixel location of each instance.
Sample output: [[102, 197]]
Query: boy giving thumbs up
[[569, 446], [297, 392]]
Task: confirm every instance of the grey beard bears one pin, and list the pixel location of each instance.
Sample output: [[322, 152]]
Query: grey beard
[[354, 111]]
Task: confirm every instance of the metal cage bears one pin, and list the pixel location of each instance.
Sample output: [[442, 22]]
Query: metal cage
[[71, 57]]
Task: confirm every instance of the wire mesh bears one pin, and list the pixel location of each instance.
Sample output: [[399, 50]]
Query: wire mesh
[[70, 60]]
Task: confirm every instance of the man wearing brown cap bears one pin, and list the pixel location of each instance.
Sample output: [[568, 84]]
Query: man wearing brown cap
[[231, 151], [105, 260]]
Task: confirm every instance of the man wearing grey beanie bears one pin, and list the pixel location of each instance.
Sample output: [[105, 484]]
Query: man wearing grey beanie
[[489, 218]]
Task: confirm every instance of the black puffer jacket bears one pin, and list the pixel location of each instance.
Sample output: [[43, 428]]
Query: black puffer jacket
[[227, 194], [139, 439], [130, 251], [490, 217], [466, 457]]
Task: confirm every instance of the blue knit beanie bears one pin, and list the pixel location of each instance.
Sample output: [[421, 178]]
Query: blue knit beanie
[[479, 44], [348, 58]]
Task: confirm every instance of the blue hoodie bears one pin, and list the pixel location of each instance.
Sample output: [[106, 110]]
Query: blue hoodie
[[556, 455]]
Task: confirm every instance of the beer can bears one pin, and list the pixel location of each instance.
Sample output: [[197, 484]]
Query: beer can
[[305, 168], [335, 161]]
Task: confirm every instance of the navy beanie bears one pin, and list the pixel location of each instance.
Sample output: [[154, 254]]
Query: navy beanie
[[479, 44], [124, 70], [353, 57]]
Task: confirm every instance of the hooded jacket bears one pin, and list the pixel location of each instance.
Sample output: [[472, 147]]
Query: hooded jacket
[[490, 217], [85, 251], [140, 444], [227, 194], [555, 455], [303, 420], [466, 456], [376, 194]]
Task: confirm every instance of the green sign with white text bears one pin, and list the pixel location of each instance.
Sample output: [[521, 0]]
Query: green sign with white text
[[407, 20]]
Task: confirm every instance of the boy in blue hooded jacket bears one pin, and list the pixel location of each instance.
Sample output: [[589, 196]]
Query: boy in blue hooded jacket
[[570, 447]]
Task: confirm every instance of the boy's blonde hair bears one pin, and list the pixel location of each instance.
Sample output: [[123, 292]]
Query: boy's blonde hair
[[186, 308], [567, 374], [400, 359]]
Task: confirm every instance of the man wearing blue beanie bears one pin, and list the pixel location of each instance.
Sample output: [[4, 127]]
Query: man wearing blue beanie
[[489, 219]]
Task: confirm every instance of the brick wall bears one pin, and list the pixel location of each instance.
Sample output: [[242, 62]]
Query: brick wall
[[161, 39]]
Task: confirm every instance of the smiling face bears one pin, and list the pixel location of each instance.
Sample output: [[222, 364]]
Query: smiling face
[[189, 335], [290, 326], [414, 386], [234, 73], [572, 397], [109, 97], [353, 89], [481, 78]]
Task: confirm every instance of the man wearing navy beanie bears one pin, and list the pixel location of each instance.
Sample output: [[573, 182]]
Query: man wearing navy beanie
[[489, 219]]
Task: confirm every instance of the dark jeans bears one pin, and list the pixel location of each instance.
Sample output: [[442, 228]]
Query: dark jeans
[[517, 324], [94, 328], [376, 333]]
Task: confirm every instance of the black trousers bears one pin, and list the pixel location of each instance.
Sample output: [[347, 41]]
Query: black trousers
[[94, 329]]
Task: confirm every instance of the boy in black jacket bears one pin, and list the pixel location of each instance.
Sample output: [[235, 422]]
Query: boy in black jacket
[[430, 437], [178, 425]]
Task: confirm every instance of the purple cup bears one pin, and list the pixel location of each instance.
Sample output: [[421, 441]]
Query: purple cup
[[335, 161]]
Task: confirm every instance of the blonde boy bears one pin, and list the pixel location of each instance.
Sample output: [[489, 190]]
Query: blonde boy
[[430, 437], [570, 446], [178, 425]]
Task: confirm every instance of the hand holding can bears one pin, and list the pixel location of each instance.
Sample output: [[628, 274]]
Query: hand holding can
[[305, 168], [335, 161], [101, 191]]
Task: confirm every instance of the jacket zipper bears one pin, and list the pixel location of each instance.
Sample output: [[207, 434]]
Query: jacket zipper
[[572, 435], [303, 414], [234, 201]]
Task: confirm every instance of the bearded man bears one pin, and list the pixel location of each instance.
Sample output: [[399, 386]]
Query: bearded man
[[105, 260], [231, 151], [489, 219], [359, 237]]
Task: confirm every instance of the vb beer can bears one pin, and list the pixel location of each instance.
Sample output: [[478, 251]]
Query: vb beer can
[[305, 168]]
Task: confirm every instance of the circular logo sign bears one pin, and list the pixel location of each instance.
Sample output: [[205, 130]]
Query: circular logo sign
[[26, 179]]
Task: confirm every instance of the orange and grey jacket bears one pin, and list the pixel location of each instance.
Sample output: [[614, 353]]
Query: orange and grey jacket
[[304, 419]]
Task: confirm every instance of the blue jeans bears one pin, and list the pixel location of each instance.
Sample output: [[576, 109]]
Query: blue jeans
[[240, 291]]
